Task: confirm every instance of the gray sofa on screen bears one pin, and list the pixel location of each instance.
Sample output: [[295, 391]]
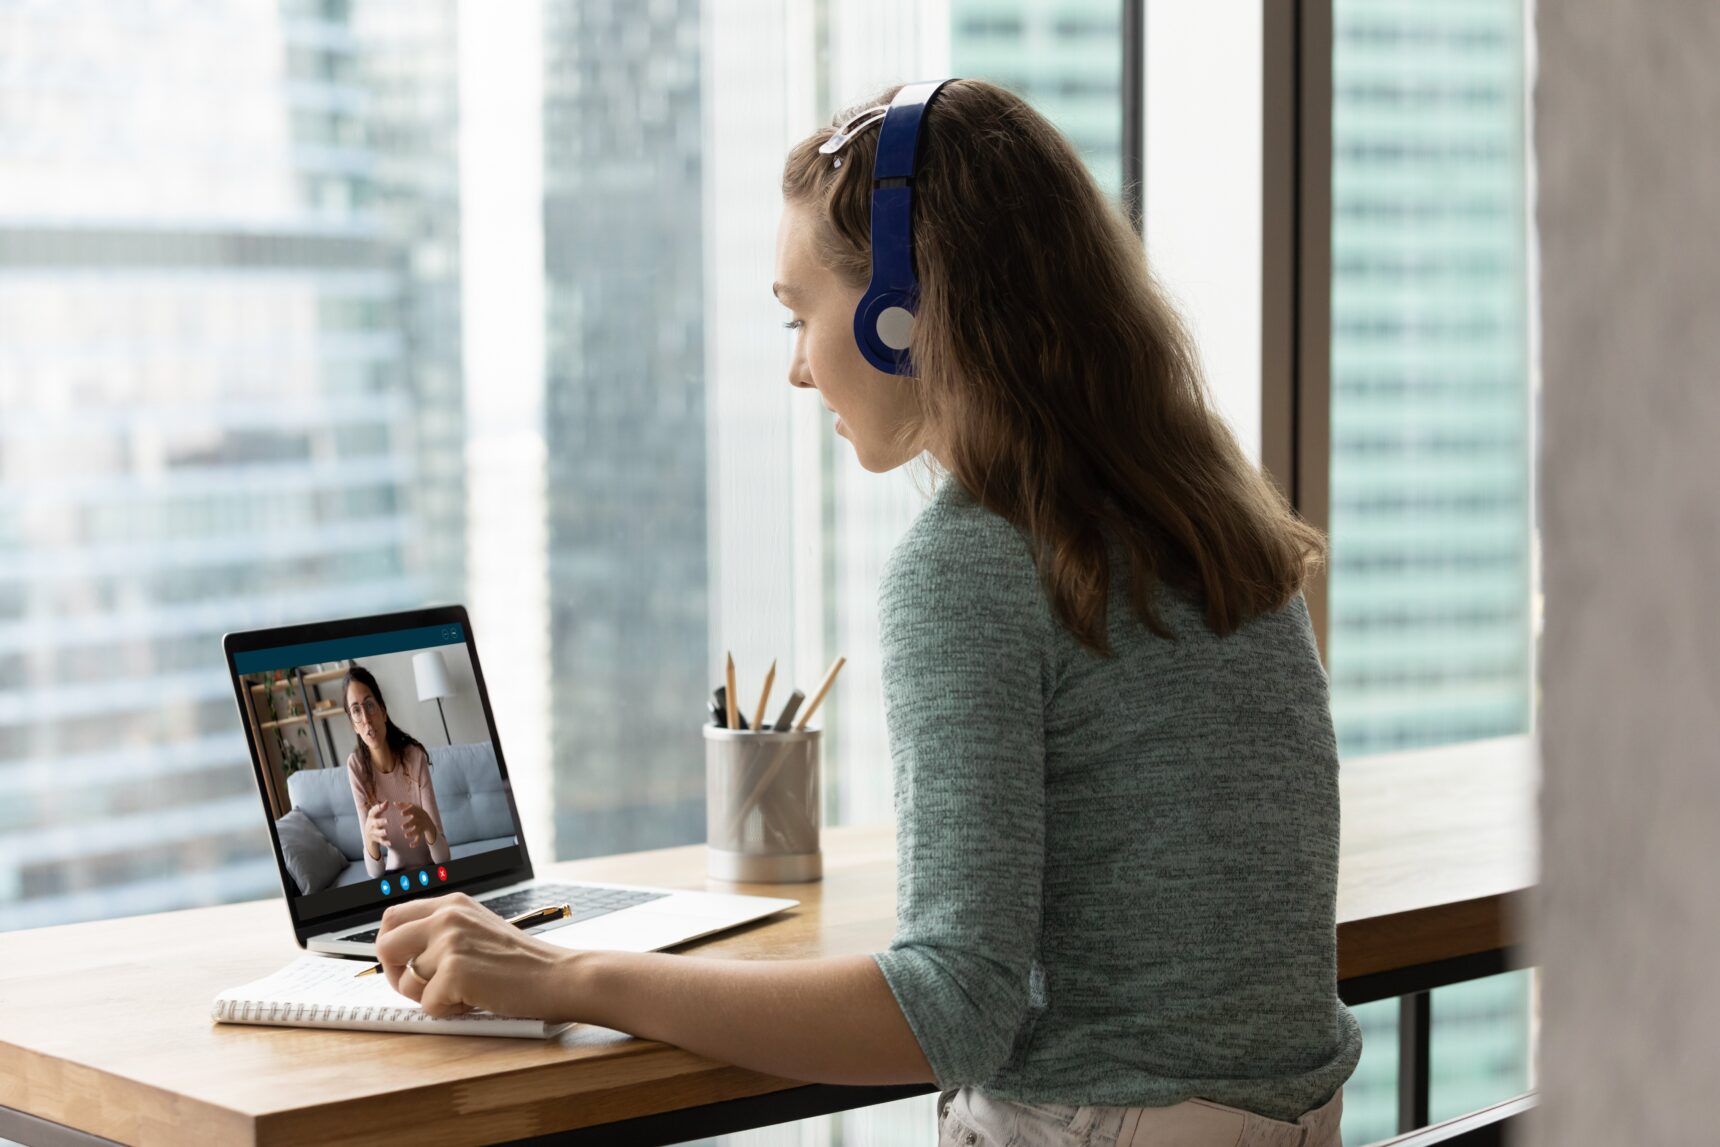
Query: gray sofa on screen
[[470, 795]]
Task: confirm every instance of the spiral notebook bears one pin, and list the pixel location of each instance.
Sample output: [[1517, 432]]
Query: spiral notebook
[[326, 992]]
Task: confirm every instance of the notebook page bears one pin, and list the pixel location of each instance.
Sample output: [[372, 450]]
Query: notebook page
[[319, 989]]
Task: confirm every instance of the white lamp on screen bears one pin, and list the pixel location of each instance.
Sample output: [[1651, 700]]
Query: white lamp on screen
[[431, 674]]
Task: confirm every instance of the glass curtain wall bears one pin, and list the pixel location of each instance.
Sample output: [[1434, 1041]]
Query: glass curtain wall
[[1431, 593], [233, 390]]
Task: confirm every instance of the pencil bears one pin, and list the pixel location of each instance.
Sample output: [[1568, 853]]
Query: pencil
[[758, 714], [729, 675], [823, 688]]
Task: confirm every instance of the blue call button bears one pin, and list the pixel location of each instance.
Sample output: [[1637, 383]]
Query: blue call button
[[386, 888], [423, 879]]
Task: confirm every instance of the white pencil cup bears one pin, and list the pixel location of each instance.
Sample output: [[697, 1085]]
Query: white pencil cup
[[763, 806]]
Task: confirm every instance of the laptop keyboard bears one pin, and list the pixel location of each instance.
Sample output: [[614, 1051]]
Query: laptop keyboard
[[586, 901]]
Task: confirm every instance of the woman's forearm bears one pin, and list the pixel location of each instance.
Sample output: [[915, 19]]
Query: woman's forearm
[[833, 1020], [439, 850]]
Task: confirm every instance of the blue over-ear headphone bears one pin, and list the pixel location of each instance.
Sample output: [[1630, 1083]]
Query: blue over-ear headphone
[[884, 320]]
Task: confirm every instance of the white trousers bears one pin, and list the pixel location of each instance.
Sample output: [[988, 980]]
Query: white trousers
[[969, 1118]]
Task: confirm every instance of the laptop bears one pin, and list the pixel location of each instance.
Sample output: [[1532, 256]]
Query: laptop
[[416, 693]]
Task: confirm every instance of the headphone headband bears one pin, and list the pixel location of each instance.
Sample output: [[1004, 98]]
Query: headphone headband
[[884, 320]]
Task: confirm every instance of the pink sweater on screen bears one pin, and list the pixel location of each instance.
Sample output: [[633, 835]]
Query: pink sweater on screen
[[409, 781]]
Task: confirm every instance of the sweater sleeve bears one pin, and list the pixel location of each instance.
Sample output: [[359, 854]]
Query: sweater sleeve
[[964, 633], [439, 850]]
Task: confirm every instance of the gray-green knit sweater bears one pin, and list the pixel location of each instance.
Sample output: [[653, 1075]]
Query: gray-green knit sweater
[[1116, 877]]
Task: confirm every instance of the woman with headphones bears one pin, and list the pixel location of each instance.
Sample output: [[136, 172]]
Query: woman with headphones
[[1115, 771]]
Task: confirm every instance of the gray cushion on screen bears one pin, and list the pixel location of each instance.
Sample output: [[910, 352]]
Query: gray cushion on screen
[[311, 859], [469, 793], [325, 795]]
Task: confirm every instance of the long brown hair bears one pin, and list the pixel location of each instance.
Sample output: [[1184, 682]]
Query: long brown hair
[[397, 739], [1062, 385]]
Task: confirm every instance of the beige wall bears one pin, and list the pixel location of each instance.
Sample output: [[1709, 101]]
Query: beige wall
[[1628, 928]]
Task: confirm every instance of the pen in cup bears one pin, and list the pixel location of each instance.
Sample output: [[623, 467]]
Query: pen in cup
[[524, 920], [726, 713], [770, 773], [788, 710], [719, 708]]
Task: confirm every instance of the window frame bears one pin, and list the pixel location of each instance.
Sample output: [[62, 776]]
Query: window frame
[[1296, 268]]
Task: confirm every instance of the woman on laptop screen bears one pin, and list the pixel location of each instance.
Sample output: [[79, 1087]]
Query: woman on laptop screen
[[390, 774]]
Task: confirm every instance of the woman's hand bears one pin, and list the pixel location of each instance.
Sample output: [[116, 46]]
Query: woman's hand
[[463, 956], [417, 823], [376, 828]]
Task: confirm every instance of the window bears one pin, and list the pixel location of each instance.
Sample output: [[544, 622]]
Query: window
[[1065, 58], [1430, 636], [236, 399]]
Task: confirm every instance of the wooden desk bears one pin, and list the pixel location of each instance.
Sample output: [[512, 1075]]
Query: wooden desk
[[105, 1028]]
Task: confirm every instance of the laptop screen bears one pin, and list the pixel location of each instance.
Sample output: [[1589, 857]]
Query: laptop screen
[[379, 766]]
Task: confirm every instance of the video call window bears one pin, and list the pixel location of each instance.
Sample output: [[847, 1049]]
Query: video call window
[[379, 764]]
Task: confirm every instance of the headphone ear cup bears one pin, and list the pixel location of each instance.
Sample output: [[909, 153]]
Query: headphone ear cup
[[884, 326], [895, 327]]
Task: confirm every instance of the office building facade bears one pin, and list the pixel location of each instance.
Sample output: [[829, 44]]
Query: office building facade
[[625, 423], [229, 390], [1430, 638]]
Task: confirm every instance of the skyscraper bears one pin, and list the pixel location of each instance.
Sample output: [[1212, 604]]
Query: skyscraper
[[1430, 594], [408, 70], [1065, 58], [210, 417], [1430, 640], [625, 422]]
